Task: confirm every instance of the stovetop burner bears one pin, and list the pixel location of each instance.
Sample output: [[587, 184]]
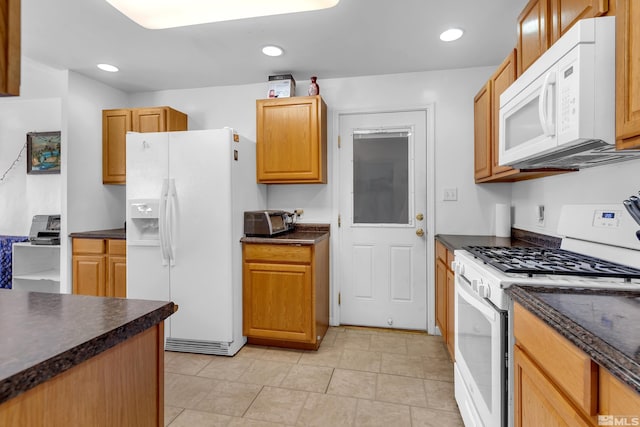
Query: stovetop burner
[[533, 260]]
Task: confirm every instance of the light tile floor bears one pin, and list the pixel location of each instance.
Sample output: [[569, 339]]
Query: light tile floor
[[358, 377]]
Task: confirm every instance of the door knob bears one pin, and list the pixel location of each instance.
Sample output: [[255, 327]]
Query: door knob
[[419, 232], [419, 217]]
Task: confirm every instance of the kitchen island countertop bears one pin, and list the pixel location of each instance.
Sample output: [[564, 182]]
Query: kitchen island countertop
[[602, 323], [46, 334]]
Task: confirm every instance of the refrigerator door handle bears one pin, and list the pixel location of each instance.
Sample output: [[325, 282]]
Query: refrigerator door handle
[[162, 221], [171, 222]]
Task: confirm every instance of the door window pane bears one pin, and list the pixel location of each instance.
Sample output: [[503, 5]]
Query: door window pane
[[381, 177]]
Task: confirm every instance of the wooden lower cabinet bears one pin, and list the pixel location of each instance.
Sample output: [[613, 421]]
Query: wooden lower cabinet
[[445, 296], [99, 267], [557, 384], [616, 398], [537, 400], [123, 386], [286, 294]]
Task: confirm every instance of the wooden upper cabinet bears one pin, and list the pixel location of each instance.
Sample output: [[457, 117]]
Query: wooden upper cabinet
[[116, 124], [565, 13], [291, 140], [482, 132], [503, 77], [158, 119], [533, 33], [627, 74], [10, 55], [542, 22]]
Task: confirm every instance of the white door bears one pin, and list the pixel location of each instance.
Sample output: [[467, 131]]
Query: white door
[[382, 202]]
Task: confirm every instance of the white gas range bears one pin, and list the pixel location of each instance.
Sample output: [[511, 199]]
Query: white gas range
[[599, 249]]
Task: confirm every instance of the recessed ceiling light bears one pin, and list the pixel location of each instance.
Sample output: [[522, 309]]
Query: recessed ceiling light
[[451, 34], [272, 51], [108, 67], [157, 14]]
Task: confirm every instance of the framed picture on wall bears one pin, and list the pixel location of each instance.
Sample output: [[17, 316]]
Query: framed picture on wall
[[43, 152]]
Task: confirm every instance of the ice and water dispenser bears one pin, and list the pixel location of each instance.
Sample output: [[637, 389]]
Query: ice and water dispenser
[[144, 224]]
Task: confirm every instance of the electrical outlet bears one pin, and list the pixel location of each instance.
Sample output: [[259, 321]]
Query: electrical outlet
[[450, 194], [540, 215]]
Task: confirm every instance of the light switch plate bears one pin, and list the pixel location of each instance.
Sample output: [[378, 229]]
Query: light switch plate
[[450, 194]]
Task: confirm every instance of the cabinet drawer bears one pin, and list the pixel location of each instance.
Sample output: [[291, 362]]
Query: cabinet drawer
[[88, 246], [615, 396], [568, 366], [278, 253], [117, 247], [441, 252], [450, 257]]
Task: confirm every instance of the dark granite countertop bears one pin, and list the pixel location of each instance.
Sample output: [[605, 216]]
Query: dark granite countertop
[[602, 323], [303, 234], [115, 233], [45, 334], [518, 238]]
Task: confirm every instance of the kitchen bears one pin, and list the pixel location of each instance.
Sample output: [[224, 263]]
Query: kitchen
[[86, 204]]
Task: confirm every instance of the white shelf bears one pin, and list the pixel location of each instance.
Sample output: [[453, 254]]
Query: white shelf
[[36, 267], [40, 275]]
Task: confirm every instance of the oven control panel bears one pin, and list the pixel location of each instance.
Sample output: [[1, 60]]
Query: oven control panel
[[606, 218]]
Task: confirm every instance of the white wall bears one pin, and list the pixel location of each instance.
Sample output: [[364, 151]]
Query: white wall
[[37, 109], [451, 92], [601, 184], [90, 205], [87, 204]]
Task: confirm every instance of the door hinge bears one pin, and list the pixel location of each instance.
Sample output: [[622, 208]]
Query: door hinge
[[339, 142], [339, 221], [339, 298]]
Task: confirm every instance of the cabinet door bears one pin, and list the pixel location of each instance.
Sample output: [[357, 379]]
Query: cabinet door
[[482, 132], [10, 48], [627, 74], [565, 13], [89, 275], [441, 297], [533, 33], [501, 80], [150, 120], [115, 124], [278, 302], [117, 284], [616, 397], [536, 401], [451, 314], [291, 140]]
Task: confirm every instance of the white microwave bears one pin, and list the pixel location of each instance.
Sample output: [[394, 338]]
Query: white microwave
[[560, 113]]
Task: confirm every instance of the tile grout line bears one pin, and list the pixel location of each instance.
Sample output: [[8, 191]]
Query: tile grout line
[[326, 389], [253, 400]]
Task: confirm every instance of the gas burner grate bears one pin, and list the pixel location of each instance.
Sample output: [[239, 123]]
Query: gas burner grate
[[532, 260]]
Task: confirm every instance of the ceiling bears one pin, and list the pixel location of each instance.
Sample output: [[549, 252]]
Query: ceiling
[[354, 38]]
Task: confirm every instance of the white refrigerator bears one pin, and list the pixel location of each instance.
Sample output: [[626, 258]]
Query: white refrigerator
[[186, 193]]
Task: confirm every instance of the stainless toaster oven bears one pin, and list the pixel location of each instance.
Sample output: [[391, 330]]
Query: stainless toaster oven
[[267, 223]]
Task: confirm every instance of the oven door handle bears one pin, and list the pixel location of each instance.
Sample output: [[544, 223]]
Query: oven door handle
[[483, 305]]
